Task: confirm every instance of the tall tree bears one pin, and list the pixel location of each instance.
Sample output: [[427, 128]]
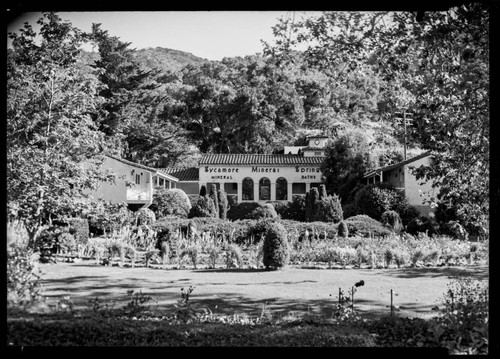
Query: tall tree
[[120, 74], [242, 105], [347, 159], [136, 101], [52, 103]]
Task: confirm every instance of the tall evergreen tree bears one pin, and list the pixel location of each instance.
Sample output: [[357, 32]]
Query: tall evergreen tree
[[135, 106]]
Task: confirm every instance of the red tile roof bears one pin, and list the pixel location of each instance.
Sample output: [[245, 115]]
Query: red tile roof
[[183, 174], [259, 159]]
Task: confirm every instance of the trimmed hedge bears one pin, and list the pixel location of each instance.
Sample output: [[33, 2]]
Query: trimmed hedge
[[242, 210], [203, 207], [375, 199], [145, 216], [365, 226], [294, 210], [170, 202], [276, 249], [243, 231], [343, 230], [265, 211]]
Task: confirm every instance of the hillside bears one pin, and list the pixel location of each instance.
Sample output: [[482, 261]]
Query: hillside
[[155, 58], [166, 59]]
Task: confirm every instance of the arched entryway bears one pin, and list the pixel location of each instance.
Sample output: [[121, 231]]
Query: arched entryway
[[247, 189], [281, 189], [264, 189]]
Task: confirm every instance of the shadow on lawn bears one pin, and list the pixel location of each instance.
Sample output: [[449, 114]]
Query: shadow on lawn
[[229, 304], [232, 270], [480, 273], [226, 303]]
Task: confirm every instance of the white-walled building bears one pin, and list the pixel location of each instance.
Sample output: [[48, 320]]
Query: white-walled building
[[400, 175], [255, 177], [261, 177], [134, 183]]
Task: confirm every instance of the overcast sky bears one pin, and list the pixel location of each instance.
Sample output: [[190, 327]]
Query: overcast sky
[[208, 34]]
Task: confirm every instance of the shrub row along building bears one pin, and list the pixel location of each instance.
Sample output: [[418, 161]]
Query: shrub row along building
[[251, 177]]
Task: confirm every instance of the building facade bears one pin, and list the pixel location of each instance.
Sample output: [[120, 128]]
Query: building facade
[[400, 175], [134, 183], [262, 178]]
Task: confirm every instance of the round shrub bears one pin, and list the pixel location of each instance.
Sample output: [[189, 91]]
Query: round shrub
[[365, 226], [145, 216], [363, 218], [264, 211], [257, 230], [203, 207], [170, 202], [375, 199], [276, 252], [329, 209], [392, 220], [343, 230]]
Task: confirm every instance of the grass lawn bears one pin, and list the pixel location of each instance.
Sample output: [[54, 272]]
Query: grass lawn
[[247, 291]]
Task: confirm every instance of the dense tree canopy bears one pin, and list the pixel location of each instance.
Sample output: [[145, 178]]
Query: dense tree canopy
[[431, 65], [52, 100]]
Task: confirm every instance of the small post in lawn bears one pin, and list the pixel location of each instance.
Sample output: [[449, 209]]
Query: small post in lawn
[[352, 299], [391, 303]]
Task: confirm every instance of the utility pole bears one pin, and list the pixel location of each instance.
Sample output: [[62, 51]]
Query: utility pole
[[404, 125], [402, 116]]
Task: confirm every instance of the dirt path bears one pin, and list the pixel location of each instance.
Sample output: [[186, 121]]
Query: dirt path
[[245, 291]]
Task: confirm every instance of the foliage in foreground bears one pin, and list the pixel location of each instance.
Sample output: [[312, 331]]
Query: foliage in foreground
[[461, 328]]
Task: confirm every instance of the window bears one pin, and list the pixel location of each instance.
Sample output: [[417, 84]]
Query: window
[[247, 189], [231, 188], [138, 179], [264, 189], [161, 182], [298, 188], [281, 189]]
